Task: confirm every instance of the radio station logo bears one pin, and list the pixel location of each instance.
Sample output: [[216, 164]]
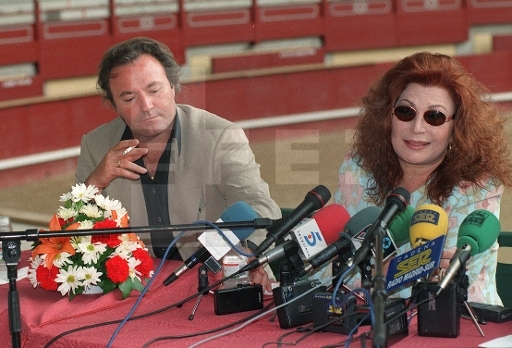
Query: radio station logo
[[425, 216], [415, 263], [476, 218], [313, 238]]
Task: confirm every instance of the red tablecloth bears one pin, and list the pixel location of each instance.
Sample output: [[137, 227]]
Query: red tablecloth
[[46, 315]]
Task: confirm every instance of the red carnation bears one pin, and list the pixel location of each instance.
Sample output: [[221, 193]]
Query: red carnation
[[112, 240], [46, 277], [107, 223], [146, 262], [117, 269]]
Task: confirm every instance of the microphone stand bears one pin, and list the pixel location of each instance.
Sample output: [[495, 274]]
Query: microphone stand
[[202, 288], [34, 234], [379, 293], [12, 254]]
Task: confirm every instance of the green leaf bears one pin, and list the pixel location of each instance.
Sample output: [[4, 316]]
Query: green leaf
[[137, 285], [71, 296], [126, 287], [107, 285]]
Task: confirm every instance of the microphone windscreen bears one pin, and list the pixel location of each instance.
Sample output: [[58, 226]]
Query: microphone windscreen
[[480, 229], [428, 222], [331, 220], [362, 219], [399, 227], [240, 211]]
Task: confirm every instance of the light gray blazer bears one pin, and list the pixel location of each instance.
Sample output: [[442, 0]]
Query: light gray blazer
[[214, 169]]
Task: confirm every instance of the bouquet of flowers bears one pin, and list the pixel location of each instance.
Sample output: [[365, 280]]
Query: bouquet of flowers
[[72, 265]]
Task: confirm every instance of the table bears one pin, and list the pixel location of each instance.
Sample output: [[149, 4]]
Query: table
[[46, 315]]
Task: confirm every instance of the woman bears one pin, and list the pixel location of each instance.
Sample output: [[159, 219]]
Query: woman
[[427, 127]]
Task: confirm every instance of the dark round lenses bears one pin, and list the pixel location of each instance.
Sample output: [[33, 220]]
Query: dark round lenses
[[432, 117]]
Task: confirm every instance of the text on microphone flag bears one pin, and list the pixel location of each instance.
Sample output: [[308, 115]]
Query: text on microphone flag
[[415, 263], [309, 236]]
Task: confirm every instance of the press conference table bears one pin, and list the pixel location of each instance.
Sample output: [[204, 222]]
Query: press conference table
[[46, 315]]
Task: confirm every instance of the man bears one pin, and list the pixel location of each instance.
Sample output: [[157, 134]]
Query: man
[[167, 163]]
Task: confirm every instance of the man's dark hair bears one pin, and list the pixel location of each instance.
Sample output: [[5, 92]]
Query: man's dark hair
[[128, 51]]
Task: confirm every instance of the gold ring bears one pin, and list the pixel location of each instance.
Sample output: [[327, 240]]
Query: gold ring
[[119, 163]]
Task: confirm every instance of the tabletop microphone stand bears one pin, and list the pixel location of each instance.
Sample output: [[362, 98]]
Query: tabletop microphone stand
[[202, 288], [11, 254]]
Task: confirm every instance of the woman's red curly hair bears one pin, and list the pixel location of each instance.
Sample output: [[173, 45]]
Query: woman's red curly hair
[[479, 149]]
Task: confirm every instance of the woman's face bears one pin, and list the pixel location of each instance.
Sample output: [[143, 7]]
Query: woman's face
[[417, 143]]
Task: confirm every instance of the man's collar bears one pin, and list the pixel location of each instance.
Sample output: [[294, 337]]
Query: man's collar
[[175, 133]]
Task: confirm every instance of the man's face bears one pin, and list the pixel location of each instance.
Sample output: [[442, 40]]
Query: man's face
[[143, 97]]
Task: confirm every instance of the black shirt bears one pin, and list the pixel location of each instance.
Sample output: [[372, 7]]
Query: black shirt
[[156, 197]]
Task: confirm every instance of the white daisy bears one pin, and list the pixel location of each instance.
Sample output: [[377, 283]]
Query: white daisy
[[132, 263], [67, 213], [91, 252], [91, 211], [85, 225], [91, 276], [75, 240], [66, 197], [125, 248], [34, 264], [62, 259], [81, 192], [70, 279]]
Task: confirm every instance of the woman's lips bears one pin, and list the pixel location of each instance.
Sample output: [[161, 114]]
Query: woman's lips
[[416, 145]]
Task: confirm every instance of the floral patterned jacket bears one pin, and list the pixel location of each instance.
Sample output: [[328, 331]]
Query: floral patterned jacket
[[481, 268]]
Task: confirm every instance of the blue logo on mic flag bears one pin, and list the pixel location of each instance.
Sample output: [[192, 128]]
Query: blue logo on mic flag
[[312, 238], [415, 263]]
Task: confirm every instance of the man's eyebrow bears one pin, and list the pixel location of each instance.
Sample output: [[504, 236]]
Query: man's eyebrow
[[125, 93]]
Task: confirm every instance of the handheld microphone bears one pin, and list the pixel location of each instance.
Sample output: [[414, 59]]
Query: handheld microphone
[[314, 200], [477, 233], [313, 234], [239, 211], [396, 202], [428, 222]]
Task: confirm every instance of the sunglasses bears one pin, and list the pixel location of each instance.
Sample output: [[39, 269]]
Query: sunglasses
[[432, 117]]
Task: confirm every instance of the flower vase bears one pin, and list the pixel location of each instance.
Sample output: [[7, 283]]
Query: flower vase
[[93, 290]]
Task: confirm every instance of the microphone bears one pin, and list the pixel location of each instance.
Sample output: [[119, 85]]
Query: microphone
[[288, 248], [428, 222], [396, 202], [477, 233], [313, 234], [360, 221], [239, 211], [398, 230], [314, 200], [397, 234]]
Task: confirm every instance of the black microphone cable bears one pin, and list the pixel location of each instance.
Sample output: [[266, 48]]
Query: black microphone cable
[[220, 328]]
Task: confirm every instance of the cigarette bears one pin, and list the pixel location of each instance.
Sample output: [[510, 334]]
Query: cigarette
[[128, 150]]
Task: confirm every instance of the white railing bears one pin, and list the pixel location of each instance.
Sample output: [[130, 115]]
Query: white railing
[[273, 121]]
